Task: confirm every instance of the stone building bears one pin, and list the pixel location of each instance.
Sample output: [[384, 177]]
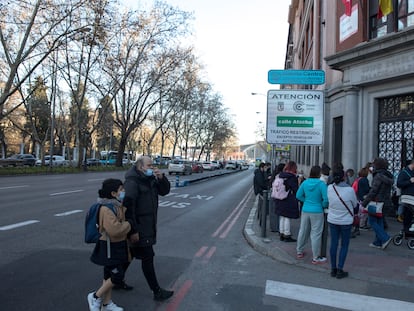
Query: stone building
[[369, 90]]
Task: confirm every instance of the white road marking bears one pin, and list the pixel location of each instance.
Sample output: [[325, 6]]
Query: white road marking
[[332, 298], [69, 213], [13, 187], [19, 224], [66, 192]]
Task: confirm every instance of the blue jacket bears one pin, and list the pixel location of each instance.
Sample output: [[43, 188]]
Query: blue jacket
[[313, 193]]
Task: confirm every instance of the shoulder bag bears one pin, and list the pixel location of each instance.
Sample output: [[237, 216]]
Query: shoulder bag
[[354, 215], [374, 208]]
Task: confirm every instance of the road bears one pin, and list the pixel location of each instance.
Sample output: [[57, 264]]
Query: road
[[201, 252]]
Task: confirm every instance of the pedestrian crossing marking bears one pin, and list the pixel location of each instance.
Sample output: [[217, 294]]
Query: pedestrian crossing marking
[[333, 298]]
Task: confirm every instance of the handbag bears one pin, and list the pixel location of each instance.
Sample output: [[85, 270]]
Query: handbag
[[354, 215], [375, 208]]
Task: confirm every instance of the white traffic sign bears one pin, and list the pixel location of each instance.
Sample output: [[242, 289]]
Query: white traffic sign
[[295, 117]]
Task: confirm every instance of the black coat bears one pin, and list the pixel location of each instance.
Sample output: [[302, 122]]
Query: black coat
[[259, 181], [381, 189], [288, 207], [404, 181], [141, 201]]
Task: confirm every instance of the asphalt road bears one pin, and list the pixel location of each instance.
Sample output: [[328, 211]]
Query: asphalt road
[[201, 252]]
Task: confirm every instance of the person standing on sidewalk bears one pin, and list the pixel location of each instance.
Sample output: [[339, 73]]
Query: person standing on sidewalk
[[143, 185], [362, 189], [327, 179], [405, 182], [273, 217], [288, 208], [342, 200], [380, 192], [260, 181], [313, 193]]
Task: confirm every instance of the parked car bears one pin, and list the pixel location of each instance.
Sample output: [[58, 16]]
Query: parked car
[[208, 166], [93, 162], [197, 167], [217, 164], [19, 160], [180, 167], [57, 160], [28, 159], [231, 165]]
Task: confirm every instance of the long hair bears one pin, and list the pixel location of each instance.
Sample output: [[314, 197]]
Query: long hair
[[291, 167]]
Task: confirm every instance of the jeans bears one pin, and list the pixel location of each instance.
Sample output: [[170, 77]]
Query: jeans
[[311, 225], [343, 233], [377, 224]]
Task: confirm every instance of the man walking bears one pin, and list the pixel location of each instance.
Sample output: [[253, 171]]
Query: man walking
[[143, 184]]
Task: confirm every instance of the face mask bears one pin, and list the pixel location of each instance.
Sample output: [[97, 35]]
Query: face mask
[[148, 172], [121, 196]]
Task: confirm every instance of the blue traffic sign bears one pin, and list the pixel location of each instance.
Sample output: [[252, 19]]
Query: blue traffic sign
[[294, 76]]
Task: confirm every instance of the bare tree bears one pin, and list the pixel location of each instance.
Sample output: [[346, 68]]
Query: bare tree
[[29, 32], [140, 58]]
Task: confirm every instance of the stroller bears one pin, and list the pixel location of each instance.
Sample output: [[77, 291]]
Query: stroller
[[406, 233]]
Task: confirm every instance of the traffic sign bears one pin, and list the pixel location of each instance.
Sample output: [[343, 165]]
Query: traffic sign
[[295, 117], [294, 76]]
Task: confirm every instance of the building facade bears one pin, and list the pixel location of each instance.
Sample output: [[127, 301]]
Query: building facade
[[369, 89]]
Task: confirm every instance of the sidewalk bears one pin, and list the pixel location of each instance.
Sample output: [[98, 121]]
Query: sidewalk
[[394, 265]]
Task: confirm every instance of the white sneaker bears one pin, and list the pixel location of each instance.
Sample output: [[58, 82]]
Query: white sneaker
[[319, 260], [112, 307], [94, 303]]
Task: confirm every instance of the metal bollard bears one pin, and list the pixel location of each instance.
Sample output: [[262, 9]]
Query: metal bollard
[[177, 180], [265, 207]]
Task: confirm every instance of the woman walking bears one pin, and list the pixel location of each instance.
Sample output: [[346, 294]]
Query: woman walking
[[379, 194], [342, 200]]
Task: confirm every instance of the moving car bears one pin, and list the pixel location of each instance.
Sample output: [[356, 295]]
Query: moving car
[[180, 167]]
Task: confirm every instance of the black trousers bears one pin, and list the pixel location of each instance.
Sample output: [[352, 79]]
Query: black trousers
[[146, 255]]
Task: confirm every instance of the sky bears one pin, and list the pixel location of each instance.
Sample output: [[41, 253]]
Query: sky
[[239, 41]]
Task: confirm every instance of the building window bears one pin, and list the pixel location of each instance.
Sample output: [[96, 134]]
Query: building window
[[400, 18], [405, 13]]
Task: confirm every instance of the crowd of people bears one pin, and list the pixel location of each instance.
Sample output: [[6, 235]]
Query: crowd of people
[[338, 201]]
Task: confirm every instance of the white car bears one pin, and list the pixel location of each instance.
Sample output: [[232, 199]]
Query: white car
[[57, 160], [180, 167], [231, 165], [208, 166]]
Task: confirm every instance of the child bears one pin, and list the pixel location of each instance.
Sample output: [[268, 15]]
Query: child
[[114, 230]]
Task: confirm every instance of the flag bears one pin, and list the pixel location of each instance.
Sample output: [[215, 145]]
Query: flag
[[384, 8], [348, 7]]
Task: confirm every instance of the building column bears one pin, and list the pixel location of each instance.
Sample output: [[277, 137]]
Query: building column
[[350, 148]]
